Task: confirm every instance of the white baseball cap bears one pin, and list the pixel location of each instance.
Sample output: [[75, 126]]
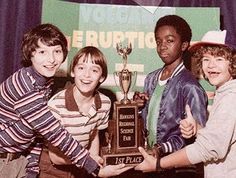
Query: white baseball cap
[[210, 38]]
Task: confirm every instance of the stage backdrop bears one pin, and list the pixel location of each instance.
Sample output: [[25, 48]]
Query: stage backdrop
[[105, 25]]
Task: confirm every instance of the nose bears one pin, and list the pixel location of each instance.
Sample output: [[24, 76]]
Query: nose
[[51, 57], [211, 64], [162, 45], [87, 73]]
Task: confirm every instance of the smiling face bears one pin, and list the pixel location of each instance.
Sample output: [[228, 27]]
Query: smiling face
[[46, 60], [169, 45], [216, 69], [87, 75]]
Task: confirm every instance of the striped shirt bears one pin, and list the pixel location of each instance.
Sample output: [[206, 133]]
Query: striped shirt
[[24, 114], [81, 126]]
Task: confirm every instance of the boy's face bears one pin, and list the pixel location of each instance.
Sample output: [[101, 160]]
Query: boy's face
[[87, 75], [47, 59], [169, 45], [216, 69]]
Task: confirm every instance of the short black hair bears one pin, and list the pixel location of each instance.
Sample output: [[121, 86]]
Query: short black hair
[[180, 25]]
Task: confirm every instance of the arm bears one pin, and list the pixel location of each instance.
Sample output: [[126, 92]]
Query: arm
[[149, 164], [94, 148], [193, 95], [32, 168], [38, 118]]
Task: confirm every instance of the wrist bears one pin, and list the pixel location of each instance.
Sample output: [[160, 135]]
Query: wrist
[[96, 171], [158, 165]]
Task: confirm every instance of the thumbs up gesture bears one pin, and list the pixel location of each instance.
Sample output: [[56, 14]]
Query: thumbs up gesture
[[188, 126]]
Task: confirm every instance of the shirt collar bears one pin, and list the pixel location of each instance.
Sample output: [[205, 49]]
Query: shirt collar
[[178, 69], [70, 102], [37, 79]]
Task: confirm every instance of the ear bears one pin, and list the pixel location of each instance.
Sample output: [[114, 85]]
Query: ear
[[101, 79], [72, 74], [185, 46]]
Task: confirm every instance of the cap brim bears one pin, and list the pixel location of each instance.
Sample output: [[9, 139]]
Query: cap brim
[[194, 47]]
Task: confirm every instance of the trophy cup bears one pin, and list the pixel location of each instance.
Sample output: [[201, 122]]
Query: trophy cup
[[125, 126], [125, 76]]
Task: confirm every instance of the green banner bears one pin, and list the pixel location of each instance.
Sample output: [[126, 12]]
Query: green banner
[[104, 26]]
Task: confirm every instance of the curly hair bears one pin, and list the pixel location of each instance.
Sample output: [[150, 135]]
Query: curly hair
[[214, 50], [177, 22]]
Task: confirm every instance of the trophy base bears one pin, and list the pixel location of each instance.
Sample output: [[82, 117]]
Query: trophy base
[[129, 159]]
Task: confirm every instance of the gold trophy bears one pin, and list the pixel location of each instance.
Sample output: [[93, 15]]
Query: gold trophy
[[125, 76], [125, 128]]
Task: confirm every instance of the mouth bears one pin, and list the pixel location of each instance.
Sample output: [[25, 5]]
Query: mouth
[[163, 54], [86, 82], [213, 74], [50, 67]]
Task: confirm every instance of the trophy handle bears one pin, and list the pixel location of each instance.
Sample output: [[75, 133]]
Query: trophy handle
[[134, 79], [116, 74]]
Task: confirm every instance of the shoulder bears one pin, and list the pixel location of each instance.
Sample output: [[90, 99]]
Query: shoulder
[[105, 100], [152, 75], [186, 77], [57, 98], [20, 85], [104, 97]]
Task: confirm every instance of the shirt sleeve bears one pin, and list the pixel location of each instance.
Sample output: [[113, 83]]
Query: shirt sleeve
[[196, 98], [35, 112], [213, 141], [32, 168]]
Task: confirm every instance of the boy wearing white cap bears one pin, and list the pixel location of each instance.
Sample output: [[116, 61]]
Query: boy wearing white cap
[[216, 143]]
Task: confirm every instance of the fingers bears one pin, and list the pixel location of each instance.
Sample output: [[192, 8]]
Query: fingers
[[100, 161], [148, 164], [140, 98], [190, 119], [113, 170], [143, 152], [186, 128], [126, 168]]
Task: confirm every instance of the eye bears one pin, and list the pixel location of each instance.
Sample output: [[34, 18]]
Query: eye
[[80, 68], [158, 42], [59, 51], [204, 59], [41, 52], [219, 59], [95, 70], [170, 41]]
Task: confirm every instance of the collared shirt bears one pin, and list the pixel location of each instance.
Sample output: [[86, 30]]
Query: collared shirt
[[24, 114], [81, 126]]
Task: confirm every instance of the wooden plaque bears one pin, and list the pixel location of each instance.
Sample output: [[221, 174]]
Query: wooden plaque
[[126, 130]]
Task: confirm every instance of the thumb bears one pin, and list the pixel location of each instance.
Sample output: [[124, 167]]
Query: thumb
[[188, 112], [143, 152], [189, 117]]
